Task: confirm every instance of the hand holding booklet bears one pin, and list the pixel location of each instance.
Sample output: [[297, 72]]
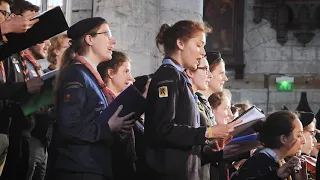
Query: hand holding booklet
[[249, 118], [241, 145], [132, 101]]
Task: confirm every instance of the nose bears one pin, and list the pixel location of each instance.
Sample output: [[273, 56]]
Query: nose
[[203, 52], [314, 140], [303, 140], [209, 75], [225, 78], [113, 41], [131, 79]]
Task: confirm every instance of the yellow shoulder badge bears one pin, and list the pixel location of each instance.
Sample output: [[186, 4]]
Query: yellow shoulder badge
[[163, 91]]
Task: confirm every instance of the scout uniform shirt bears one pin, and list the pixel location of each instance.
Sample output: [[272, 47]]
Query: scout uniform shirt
[[172, 125]]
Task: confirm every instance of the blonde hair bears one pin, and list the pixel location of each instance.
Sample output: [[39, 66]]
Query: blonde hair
[[312, 124], [56, 43]]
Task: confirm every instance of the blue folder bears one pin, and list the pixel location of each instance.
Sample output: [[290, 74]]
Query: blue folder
[[245, 139]]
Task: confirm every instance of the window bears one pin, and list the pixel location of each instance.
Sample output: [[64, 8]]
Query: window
[[48, 4]]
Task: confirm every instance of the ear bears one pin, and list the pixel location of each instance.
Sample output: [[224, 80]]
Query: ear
[[56, 52], [283, 139], [214, 111], [189, 73], [88, 39], [180, 44], [110, 73]]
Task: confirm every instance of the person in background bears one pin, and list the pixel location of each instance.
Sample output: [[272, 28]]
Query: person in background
[[218, 71], [282, 135], [235, 111], [58, 46], [116, 74], [212, 151], [221, 107], [242, 107]]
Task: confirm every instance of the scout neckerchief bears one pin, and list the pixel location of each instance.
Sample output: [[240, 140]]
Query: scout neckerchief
[[211, 121], [273, 155], [33, 61], [2, 71], [170, 61], [110, 96], [107, 92]]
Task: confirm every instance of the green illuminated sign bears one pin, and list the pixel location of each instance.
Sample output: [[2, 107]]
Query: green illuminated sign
[[285, 86]]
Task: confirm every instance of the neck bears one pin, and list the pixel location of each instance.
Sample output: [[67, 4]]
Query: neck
[[93, 58], [279, 153], [27, 51], [113, 88], [194, 88], [177, 58], [207, 93]]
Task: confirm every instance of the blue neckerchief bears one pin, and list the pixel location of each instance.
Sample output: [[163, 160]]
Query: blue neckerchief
[[167, 60], [270, 153]]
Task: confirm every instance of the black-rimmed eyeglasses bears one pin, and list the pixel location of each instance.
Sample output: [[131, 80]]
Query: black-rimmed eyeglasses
[[6, 14]]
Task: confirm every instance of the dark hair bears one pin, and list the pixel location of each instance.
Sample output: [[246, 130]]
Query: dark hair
[[242, 107], [234, 109], [78, 47], [215, 99], [118, 58], [214, 59], [141, 82], [276, 124], [20, 7], [184, 30]]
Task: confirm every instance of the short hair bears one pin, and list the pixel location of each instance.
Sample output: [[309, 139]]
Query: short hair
[[20, 7], [277, 124], [56, 43], [215, 99], [118, 58]]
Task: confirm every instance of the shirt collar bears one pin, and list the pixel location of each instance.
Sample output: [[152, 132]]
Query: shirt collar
[[90, 62], [167, 60], [270, 153], [177, 66]]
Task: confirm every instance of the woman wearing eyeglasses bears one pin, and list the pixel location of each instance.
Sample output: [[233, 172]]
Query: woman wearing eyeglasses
[[80, 147]]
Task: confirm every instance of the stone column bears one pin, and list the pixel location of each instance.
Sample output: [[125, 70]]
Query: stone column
[[80, 9], [134, 25], [172, 11]]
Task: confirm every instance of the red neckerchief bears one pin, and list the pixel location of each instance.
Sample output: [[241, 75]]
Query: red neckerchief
[[107, 92]]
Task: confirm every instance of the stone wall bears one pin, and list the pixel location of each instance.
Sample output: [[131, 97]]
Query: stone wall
[[264, 55], [134, 24]]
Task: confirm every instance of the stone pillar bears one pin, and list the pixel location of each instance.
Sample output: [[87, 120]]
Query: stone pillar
[[172, 11], [80, 9], [134, 25]]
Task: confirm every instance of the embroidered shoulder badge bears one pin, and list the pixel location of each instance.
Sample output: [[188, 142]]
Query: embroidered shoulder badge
[[163, 91]]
